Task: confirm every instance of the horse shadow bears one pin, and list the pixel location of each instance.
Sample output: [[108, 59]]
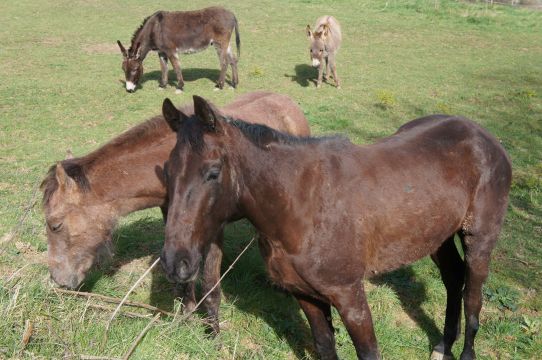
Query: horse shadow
[[189, 75], [304, 75], [412, 293], [247, 286]]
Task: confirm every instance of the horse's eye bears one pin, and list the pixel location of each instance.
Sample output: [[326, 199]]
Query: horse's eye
[[212, 174], [55, 227]]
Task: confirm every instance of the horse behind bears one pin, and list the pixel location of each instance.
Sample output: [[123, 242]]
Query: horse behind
[[330, 213], [186, 32], [83, 197]]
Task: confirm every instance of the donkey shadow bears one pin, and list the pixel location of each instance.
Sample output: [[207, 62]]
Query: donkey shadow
[[304, 75], [257, 296], [189, 75]]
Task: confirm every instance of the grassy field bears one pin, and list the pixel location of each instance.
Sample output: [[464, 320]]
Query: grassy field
[[61, 88]]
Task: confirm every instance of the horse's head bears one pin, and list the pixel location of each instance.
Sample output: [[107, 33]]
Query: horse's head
[[317, 48], [202, 187], [78, 229], [132, 65]]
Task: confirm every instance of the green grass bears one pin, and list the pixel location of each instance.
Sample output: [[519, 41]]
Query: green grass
[[60, 89]]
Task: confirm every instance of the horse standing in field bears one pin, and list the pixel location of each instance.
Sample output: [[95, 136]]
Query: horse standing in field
[[186, 32], [83, 197], [334, 213], [325, 43]]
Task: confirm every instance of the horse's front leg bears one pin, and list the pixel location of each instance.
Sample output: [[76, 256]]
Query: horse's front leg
[[174, 58], [163, 67], [319, 316], [351, 303], [211, 277]]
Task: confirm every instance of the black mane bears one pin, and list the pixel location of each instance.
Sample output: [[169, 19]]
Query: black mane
[[138, 30], [260, 135]]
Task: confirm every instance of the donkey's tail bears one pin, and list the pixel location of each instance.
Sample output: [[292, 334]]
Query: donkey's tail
[[237, 39]]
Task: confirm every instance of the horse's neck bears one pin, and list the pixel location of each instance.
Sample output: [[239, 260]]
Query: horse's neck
[[128, 182]]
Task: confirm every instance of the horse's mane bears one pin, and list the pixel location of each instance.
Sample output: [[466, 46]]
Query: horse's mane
[[77, 168], [138, 30], [259, 134]]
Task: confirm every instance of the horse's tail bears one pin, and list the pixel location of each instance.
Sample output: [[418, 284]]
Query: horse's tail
[[237, 39]]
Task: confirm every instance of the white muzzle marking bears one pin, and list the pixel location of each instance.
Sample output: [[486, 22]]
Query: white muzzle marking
[[315, 62], [130, 86]]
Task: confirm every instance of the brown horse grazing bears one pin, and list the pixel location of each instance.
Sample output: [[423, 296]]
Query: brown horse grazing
[[322, 202], [83, 197], [186, 32]]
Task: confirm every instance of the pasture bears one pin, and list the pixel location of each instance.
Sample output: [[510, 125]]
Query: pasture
[[62, 88]]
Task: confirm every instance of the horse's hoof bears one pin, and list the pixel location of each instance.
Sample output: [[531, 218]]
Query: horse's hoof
[[435, 355], [178, 91]]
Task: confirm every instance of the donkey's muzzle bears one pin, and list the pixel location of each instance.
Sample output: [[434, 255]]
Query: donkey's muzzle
[[130, 86]]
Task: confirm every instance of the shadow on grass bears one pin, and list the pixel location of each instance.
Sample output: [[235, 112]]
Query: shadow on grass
[[304, 75], [412, 293], [189, 75], [247, 286]]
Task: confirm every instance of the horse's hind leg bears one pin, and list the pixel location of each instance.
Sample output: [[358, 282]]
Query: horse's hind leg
[[319, 316], [351, 303], [452, 271], [163, 67], [480, 230]]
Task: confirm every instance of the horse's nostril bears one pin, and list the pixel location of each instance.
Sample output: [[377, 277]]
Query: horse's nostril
[[183, 267]]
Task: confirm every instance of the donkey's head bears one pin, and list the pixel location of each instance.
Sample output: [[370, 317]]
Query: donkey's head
[[132, 65], [317, 49], [78, 227]]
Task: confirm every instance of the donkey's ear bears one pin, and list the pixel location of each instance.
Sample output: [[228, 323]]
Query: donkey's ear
[[309, 32], [69, 154], [207, 113], [137, 51], [122, 49], [325, 31], [173, 116]]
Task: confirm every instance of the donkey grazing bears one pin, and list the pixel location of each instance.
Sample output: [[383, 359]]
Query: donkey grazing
[[325, 42], [335, 213], [83, 197], [186, 32]]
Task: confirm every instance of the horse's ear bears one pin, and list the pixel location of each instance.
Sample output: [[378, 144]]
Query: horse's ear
[[309, 32], [62, 177], [122, 49], [207, 113], [173, 116]]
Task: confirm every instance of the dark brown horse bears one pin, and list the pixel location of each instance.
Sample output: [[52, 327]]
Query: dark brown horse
[[83, 197], [186, 32], [330, 213]]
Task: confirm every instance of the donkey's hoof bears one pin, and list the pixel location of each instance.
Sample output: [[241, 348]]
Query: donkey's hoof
[[161, 88], [217, 88], [435, 355], [178, 91], [339, 87]]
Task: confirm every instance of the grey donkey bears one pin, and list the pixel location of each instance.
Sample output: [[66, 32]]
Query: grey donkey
[[325, 43]]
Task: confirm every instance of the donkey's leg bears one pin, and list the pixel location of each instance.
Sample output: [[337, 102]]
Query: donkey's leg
[[174, 58], [352, 305], [334, 70], [233, 62], [211, 276], [327, 73], [163, 67], [452, 271], [320, 74], [319, 316], [222, 52]]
